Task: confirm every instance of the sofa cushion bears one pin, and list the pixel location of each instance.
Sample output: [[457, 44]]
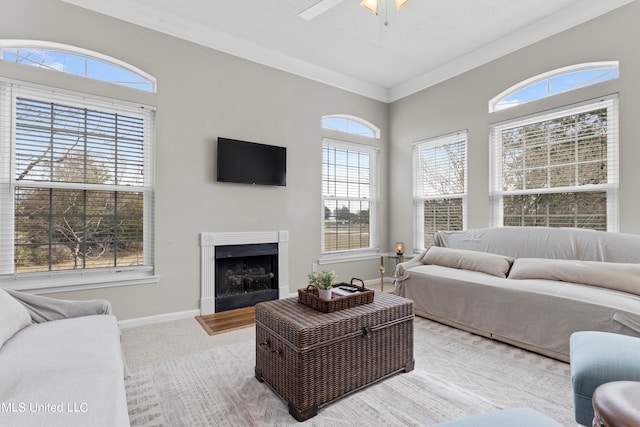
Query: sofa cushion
[[515, 309], [13, 317], [67, 373], [618, 276], [485, 262]]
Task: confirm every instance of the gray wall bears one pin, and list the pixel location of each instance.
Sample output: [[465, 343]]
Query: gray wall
[[203, 94], [462, 103]]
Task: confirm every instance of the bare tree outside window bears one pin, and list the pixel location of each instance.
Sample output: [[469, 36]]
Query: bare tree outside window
[[78, 188], [440, 186], [564, 152], [557, 172]]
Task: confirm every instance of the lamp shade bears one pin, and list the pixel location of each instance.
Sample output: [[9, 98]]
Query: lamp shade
[[399, 248], [370, 5], [400, 3]]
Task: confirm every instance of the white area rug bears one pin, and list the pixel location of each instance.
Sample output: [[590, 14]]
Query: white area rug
[[213, 384]]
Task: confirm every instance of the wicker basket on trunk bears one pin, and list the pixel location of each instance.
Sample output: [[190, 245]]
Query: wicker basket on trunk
[[310, 296]]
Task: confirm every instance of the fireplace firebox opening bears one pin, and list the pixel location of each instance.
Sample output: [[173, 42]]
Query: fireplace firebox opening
[[245, 275]]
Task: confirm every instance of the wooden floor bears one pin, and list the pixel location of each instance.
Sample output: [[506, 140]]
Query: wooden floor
[[228, 320]]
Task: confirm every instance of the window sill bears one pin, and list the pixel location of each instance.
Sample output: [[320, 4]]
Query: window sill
[[348, 257], [45, 283]]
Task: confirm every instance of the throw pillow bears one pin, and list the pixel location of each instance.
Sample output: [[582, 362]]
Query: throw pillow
[[618, 276], [485, 262], [13, 317]]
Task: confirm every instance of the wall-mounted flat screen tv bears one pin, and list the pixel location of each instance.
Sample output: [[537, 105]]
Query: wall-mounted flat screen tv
[[251, 163]]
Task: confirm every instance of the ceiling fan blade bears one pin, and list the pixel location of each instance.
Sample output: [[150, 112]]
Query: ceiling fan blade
[[319, 8]]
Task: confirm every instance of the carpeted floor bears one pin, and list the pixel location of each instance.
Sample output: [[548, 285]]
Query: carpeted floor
[[180, 376]]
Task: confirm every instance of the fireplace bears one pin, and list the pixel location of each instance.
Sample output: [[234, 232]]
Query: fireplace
[[245, 275], [242, 269]]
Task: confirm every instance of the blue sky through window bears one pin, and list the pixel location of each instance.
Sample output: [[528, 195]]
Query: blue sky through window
[[347, 125], [554, 83], [79, 65]]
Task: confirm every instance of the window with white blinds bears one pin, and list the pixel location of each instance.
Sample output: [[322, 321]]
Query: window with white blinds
[[440, 186], [558, 168], [77, 184], [350, 197]]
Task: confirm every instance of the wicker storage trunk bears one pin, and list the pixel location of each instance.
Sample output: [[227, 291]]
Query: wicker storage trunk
[[310, 358]]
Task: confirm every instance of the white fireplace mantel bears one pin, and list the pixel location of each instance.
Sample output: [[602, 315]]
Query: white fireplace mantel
[[208, 243]]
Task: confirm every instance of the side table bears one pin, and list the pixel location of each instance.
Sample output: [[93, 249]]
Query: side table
[[615, 404], [389, 255]]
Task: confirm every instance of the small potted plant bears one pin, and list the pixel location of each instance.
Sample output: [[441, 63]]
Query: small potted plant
[[324, 281]]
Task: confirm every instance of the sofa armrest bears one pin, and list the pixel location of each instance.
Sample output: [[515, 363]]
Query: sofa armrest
[[44, 309], [402, 267]]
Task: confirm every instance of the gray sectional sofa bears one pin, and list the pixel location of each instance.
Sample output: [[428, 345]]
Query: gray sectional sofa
[[528, 286], [61, 363]]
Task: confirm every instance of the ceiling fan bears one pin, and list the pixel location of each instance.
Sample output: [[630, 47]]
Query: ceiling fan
[[372, 5], [324, 5]]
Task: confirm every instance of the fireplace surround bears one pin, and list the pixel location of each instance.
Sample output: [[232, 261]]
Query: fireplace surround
[[242, 275]]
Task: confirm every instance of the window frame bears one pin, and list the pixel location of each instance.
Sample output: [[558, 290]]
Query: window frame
[[373, 250], [611, 187], [64, 280], [419, 175]]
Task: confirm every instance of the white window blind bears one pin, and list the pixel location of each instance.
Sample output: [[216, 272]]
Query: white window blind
[[350, 197], [440, 186], [77, 183], [558, 168]]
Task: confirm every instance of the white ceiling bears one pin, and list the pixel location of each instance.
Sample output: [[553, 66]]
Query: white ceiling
[[424, 43]]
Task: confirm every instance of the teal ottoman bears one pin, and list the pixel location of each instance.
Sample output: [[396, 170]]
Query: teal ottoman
[[597, 358], [520, 417]]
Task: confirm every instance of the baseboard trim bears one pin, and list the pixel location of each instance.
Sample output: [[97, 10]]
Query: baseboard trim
[[159, 318], [167, 317], [370, 282]]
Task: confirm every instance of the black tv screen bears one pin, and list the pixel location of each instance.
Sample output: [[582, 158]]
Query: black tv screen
[[251, 163]]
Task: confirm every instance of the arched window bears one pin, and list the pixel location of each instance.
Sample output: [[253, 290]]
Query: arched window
[[555, 82], [76, 61], [350, 124], [350, 189]]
